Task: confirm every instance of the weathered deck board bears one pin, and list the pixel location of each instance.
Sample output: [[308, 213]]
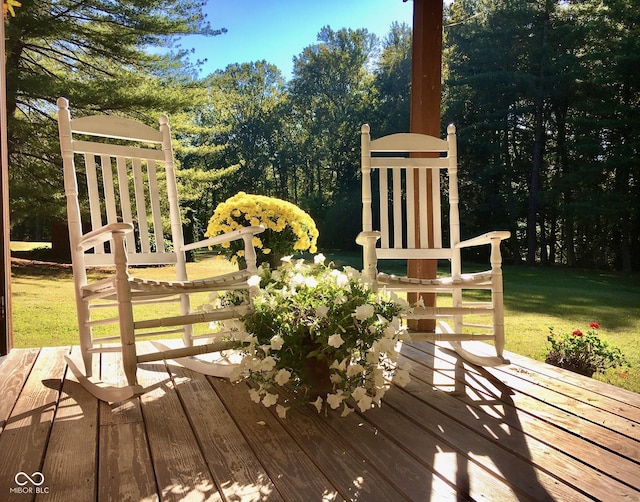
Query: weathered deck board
[[527, 431], [18, 364], [125, 471], [237, 471], [70, 461]]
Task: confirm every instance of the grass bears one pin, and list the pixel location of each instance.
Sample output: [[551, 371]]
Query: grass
[[535, 299]]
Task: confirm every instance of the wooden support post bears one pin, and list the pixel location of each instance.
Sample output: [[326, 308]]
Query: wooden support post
[[6, 333], [426, 75]]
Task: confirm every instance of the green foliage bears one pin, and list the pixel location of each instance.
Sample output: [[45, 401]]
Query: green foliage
[[542, 94], [101, 56]]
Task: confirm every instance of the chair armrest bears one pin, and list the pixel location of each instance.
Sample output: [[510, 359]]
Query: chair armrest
[[487, 238], [365, 238], [102, 234], [228, 237]]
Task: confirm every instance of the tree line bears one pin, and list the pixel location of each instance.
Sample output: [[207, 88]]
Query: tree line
[[544, 95]]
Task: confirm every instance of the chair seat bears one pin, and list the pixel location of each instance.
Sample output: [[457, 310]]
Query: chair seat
[[106, 288], [476, 279]]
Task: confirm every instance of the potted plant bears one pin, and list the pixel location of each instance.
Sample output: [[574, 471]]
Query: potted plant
[[583, 353], [320, 335], [288, 229]]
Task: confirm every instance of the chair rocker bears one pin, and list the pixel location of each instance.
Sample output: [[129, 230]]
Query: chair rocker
[[404, 171], [126, 168]]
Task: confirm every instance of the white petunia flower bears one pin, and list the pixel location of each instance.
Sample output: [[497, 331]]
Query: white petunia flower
[[254, 395], [365, 403], [310, 282], [250, 339], [359, 393], [236, 374], [364, 312], [334, 400], [276, 342], [342, 280], [335, 340], [319, 258], [297, 280], [339, 365], [267, 364], [402, 378], [346, 410], [318, 404], [354, 369], [386, 345], [269, 399], [335, 378], [282, 411], [322, 311], [254, 280], [282, 377], [379, 394]]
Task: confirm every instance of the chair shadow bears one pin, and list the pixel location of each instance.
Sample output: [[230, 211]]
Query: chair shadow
[[481, 402]]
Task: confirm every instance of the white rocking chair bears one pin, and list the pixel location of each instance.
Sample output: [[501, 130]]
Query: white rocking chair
[[125, 164], [404, 167]]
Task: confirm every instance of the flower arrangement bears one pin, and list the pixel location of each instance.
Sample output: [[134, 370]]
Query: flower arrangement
[[322, 333], [583, 353], [288, 228]]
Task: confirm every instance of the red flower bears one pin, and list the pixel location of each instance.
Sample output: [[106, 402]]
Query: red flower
[[577, 332], [594, 325]]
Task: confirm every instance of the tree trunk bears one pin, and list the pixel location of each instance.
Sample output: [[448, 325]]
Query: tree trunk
[[538, 153], [534, 189]]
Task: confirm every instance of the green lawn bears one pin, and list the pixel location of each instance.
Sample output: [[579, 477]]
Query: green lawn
[[535, 298]]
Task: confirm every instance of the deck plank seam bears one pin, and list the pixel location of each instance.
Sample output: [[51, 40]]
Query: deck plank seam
[[9, 412], [241, 430], [63, 378], [185, 410]]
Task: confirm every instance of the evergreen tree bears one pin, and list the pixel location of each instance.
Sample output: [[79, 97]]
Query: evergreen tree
[[101, 55]]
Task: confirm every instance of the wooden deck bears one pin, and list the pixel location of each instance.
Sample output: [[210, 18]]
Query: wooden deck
[[526, 431]]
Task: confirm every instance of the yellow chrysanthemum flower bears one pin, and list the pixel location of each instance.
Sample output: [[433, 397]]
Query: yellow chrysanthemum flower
[[287, 227], [8, 5]]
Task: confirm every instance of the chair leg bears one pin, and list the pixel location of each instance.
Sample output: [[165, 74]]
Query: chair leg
[[185, 308], [125, 310]]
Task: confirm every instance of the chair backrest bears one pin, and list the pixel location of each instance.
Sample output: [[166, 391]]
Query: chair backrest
[[120, 170], [401, 194]]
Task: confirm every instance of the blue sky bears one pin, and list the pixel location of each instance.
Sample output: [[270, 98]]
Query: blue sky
[[277, 30]]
